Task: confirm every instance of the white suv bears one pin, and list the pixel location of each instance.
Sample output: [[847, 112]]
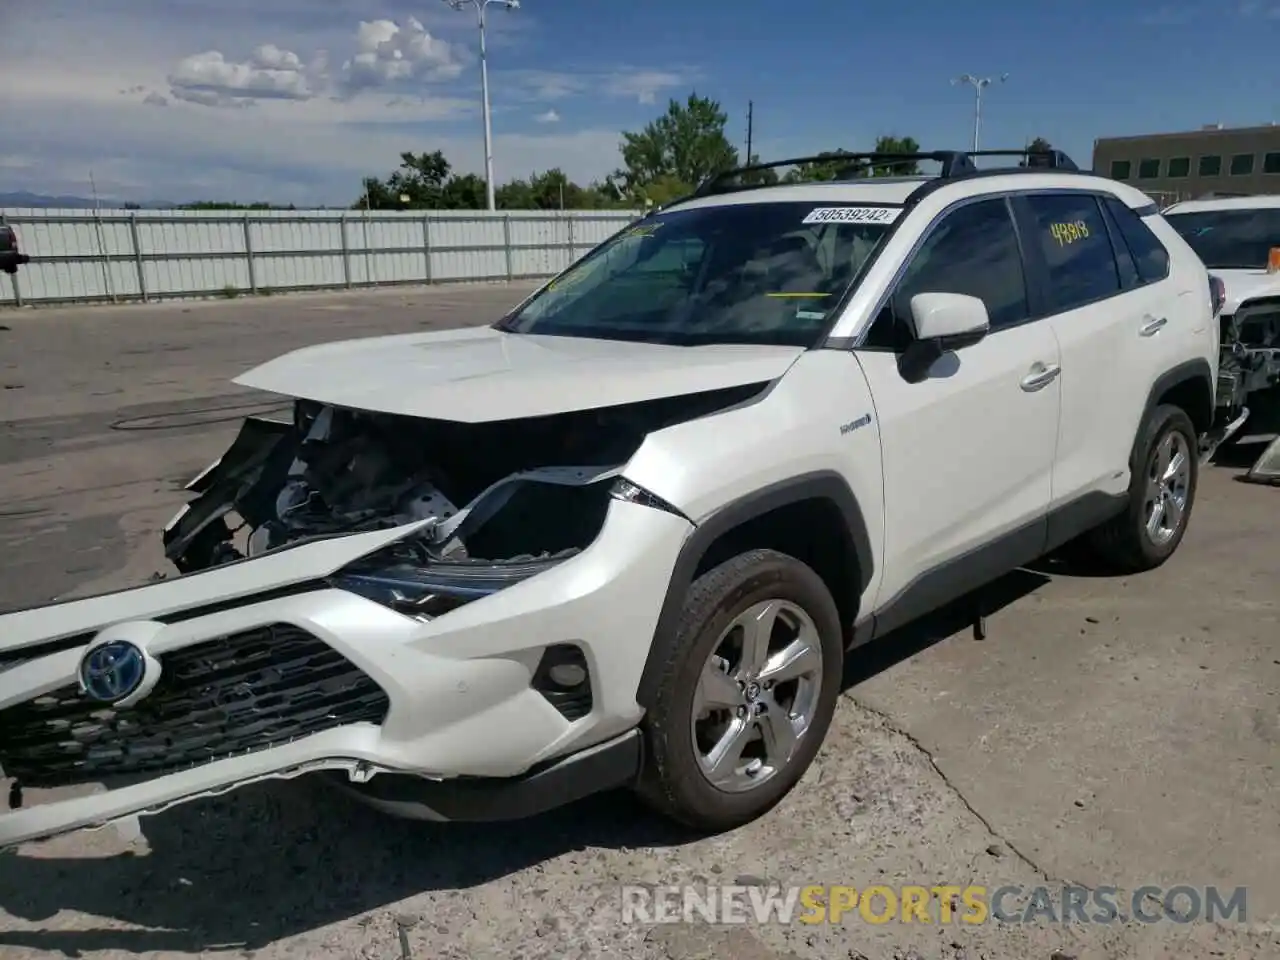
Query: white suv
[[629, 534]]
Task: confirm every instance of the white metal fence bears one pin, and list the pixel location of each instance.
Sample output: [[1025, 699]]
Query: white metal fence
[[120, 255]]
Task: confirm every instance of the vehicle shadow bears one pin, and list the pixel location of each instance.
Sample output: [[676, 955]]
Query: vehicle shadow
[[274, 860], [270, 861]]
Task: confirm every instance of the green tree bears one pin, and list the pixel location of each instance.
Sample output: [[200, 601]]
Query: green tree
[[421, 177], [892, 144], [1039, 143], [463, 192], [681, 148], [824, 168], [514, 195], [765, 177]]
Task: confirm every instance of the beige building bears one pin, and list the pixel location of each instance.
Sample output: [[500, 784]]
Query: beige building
[[1182, 166]]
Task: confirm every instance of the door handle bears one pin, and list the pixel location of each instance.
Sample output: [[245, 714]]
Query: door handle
[[1041, 376], [1151, 326]]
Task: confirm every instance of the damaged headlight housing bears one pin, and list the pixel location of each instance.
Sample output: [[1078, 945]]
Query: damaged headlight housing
[[410, 579], [429, 590]]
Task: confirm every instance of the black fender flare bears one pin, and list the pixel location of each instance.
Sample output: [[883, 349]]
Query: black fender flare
[[818, 485], [1185, 372]]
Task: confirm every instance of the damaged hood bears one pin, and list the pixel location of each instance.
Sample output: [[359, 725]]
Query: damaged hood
[[1245, 285], [480, 374]]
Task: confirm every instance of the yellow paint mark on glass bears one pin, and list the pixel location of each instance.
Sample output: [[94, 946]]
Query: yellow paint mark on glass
[[644, 230], [1068, 233]]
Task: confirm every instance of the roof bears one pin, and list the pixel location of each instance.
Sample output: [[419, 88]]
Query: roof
[[897, 190], [1267, 201]]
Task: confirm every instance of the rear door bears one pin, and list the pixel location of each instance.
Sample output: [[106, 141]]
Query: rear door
[[1108, 322]]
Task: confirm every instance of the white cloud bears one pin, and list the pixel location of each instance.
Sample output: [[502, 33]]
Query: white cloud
[[549, 117], [389, 53], [270, 73]]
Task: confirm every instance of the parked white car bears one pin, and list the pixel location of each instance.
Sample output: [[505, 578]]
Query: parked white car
[[1238, 238], [629, 534]]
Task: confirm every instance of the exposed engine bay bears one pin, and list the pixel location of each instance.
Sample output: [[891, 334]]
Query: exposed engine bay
[[1250, 353], [515, 494]]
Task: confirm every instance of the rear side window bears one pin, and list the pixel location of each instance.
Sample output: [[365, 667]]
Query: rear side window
[[1071, 234], [1149, 254]]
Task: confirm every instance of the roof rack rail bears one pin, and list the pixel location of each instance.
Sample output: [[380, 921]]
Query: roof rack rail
[[955, 163], [1045, 159]]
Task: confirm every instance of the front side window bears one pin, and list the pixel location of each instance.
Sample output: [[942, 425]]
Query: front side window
[[1230, 239], [1073, 237], [973, 250], [767, 273]]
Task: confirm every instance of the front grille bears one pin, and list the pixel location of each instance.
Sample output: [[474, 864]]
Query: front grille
[[236, 694]]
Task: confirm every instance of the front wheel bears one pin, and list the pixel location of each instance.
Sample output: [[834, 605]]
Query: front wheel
[[1162, 490], [748, 687]]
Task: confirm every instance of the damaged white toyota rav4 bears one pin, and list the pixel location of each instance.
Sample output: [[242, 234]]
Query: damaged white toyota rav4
[[628, 534]]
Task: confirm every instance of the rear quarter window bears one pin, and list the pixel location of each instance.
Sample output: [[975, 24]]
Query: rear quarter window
[[1149, 254]]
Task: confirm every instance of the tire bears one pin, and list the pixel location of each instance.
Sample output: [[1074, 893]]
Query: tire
[[673, 780], [1125, 544]]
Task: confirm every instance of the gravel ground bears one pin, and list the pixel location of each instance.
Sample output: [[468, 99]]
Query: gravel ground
[[1107, 732]]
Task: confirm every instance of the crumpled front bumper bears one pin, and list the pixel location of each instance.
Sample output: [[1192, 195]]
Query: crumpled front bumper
[[267, 671]]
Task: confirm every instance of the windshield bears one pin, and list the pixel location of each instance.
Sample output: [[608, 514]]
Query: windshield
[[767, 273], [1230, 239]]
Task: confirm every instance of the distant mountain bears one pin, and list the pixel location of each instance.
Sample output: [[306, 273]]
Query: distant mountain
[[25, 199]]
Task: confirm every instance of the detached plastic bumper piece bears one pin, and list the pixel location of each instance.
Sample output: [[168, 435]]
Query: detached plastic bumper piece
[[1266, 469]]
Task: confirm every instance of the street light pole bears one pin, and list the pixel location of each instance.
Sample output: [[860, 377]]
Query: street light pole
[[480, 6], [979, 84]]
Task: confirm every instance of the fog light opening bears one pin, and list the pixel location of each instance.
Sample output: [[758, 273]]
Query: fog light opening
[[564, 680]]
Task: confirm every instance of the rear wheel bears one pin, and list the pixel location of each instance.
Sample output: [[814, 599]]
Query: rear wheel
[[1162, 490], [748, 687]]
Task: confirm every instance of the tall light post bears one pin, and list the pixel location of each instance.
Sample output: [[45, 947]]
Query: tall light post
[[480, 6], [979, 84]]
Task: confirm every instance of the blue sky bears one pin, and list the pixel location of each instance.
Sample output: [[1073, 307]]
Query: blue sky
[[294, 100]]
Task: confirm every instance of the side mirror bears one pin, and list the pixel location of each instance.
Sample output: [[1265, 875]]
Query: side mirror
[[943, 322], [953, 320]]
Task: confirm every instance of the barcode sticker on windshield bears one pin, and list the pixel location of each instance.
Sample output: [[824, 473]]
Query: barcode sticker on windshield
[[853, 215]]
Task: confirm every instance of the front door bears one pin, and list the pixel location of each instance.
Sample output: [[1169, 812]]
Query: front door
[[968, 451]]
